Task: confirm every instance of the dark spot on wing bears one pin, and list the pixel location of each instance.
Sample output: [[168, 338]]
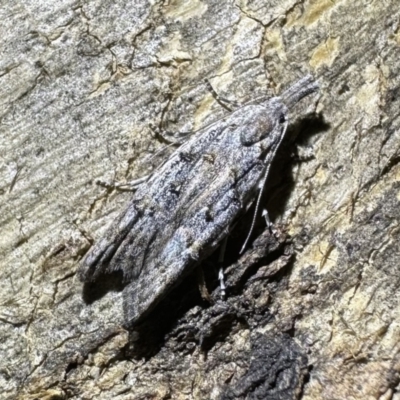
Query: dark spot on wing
[[186, 156]]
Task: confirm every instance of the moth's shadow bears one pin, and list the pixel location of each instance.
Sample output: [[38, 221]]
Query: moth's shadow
[[93, 291], [281, 181], [167, 319], [147, 338]]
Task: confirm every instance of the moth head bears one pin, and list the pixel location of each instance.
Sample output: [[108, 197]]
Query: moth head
[[270, 120]]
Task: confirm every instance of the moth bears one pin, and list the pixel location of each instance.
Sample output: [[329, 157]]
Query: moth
[[185, 208]]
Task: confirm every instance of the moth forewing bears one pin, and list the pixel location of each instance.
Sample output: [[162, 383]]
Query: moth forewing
[[184, 210], [97, 260]]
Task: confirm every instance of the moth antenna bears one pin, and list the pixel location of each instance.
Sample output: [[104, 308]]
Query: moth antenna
[[161, 150], [253, 222]]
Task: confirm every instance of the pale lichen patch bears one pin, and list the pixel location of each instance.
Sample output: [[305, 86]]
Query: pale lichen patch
[[314, 11], [183, 10], [325, 53]]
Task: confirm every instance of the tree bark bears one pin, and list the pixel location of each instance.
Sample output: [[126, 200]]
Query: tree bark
[[91, 91]]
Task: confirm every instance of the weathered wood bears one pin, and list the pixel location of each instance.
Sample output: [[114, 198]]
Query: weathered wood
[[312, 316]]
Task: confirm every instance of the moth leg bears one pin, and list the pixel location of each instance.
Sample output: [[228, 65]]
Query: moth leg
[[204, 293], [221, 269], [222, 100], [172, 139], [266, 217], [270, 225], [127, 186]]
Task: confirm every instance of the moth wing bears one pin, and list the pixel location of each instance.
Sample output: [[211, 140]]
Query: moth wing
[[96, 262], [189, 241], [125, 244]]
